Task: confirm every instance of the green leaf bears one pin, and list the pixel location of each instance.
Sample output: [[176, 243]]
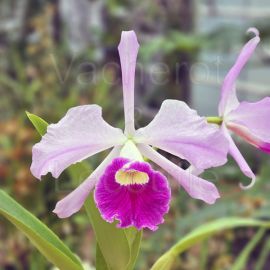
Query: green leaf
[[112, 241], [41, 236], [263, 255], [100, 260], [38, 123], [134, 238], [204, 255], [165, 262], [242, 259]]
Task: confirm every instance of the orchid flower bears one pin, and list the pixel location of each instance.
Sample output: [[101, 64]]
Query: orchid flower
[[126, 187], [248, 120]]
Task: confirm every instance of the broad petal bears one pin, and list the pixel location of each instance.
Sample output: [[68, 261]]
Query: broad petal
[[228, 98], [74, 201], [81, 133], [196, 187], [128, 50], [138, 205], [180, 131], [235, 153], [251, 122]]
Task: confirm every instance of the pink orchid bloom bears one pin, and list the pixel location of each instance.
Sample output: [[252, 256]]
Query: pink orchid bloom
[[248, 120], [126, 187]]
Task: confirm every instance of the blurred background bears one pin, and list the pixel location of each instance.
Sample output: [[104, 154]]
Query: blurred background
[[59, 54]]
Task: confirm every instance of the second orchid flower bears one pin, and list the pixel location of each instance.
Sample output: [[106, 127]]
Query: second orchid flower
[[249, 120]]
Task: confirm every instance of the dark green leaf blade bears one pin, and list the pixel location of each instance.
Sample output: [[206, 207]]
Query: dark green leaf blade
[[40, 235]]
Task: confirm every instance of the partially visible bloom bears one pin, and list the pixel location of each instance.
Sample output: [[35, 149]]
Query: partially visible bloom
[[248, 120], [126, 187]]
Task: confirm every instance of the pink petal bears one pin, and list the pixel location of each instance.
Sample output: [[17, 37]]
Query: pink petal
[[180, 131], [81, 133], [235, 153], [228, 98], [74, 201], [128, 50], [138, 205], [251, 122], [196, 187]]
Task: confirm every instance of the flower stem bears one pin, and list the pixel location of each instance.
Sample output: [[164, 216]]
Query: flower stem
[[214, 120]]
